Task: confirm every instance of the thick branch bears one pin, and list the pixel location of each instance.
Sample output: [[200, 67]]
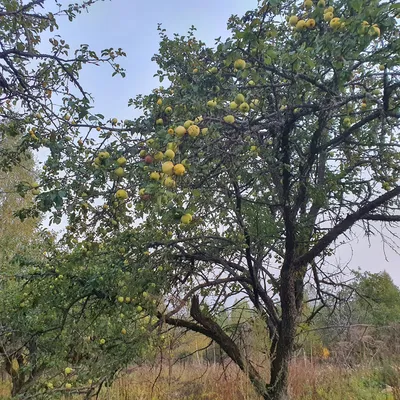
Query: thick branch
[[232, 268], [343, 226], [382, 217], [193, 291], [339, 139], [251, 267], [211, 329]]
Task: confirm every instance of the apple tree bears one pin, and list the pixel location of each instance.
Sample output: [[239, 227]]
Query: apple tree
[[58, 338], [246, 170], [39, 81], [43, 320], [48, 327]]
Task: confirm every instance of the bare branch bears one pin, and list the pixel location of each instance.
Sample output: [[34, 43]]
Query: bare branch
[[343, 226]]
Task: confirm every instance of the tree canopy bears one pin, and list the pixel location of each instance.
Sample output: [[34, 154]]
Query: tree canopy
[[40, 94], [47, 325], [378, 300]]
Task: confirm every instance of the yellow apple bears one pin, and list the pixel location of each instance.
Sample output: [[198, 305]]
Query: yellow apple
[[180, 131], [179, 169], [346, 122], [301, 24], [229, 119], [169, 182], [121, 161], [293, 20], [244, 107], [159, 156], [375, 30], [168, 168], [240, 64], [187, 124], [211, 103], [239, 99], [155, 176], [170, 154], [121, 194], [103, 155], [310, 24], [193, 131], [186, 219], [308, 4], [335, 23], [119, 172]]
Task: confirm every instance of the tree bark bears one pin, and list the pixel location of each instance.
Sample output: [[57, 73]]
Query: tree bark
[[282, 346], [279, 383]]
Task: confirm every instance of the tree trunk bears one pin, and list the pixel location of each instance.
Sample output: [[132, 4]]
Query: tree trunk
[[279, 383], [282, 346]]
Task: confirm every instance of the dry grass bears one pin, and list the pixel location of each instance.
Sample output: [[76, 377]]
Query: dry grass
[[199, 381], [5, 389], [308, 381], [183, 382]]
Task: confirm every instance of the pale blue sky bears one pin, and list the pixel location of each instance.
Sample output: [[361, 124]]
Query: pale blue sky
[[132, 25]]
